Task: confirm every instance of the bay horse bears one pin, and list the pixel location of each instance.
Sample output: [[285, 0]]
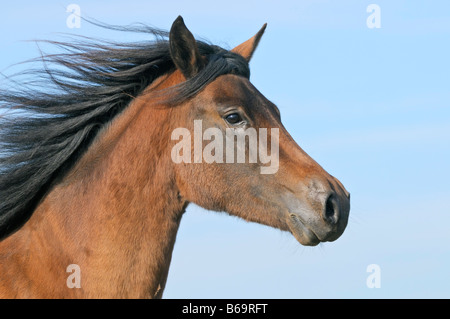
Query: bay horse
[[87, 177]]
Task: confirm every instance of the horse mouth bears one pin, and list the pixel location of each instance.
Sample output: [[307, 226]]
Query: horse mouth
[[301, 232]]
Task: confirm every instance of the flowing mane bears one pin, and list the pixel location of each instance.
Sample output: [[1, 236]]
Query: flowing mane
[[48, 123]]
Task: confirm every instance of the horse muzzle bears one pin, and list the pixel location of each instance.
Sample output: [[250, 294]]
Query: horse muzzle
[[322, 217]]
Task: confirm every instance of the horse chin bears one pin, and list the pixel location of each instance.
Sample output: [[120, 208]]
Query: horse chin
[[301, 232]]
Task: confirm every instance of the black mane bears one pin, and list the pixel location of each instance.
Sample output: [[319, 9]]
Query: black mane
[[49, 121]]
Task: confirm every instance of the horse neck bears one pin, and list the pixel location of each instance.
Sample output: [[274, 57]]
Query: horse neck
[[115, 215]]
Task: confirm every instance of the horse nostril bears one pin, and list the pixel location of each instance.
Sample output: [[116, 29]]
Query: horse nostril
[[331, 210]]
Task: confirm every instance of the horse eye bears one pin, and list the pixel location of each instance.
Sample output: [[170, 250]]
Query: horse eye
[[233, 118]]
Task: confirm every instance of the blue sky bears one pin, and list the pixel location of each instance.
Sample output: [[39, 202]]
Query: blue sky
[[372, 106]]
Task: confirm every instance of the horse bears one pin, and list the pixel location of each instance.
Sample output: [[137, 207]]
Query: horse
[[88, 181]]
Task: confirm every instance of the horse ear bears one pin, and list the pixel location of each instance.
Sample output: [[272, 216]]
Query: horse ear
[[184, 50], [247, 48]]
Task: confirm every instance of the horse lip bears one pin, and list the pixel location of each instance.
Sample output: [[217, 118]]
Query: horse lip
[[301, 231]]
